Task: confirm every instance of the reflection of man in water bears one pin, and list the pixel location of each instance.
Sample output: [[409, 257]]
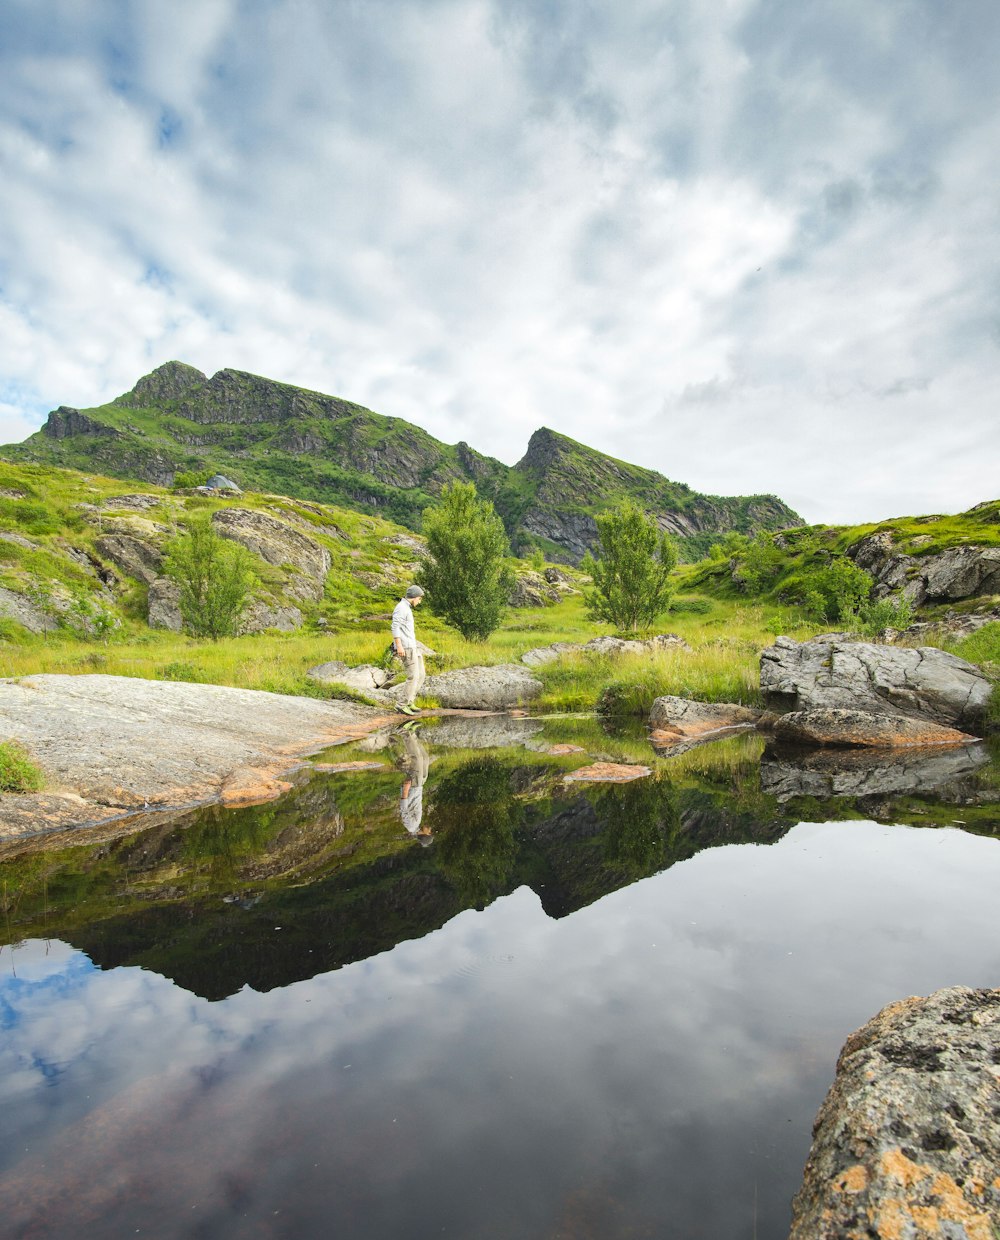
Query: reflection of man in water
[[414, 763]]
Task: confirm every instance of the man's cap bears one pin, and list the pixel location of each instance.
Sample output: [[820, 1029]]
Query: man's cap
[[413, 592]]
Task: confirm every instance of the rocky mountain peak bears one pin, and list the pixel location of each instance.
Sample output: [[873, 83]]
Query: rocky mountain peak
[[168, 382]]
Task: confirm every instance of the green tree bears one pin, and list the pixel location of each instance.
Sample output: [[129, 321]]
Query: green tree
[[215, 577], [632, 572], [465, 571]]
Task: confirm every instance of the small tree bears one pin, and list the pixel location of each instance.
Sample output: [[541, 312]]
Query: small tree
[[215, 578], [632, 572], [465, 572]]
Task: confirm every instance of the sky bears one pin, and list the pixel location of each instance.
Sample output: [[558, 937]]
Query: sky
[[751, 244]]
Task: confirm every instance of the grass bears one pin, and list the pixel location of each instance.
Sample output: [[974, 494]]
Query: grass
[[720, 666], [17, 771]]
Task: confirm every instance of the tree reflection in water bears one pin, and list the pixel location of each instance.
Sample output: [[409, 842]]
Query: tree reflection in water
[[641, 824], [475, 818]]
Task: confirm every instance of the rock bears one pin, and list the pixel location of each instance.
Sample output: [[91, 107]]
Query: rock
[[141, 502], [18, 540], [24, 611], [65, 422], [280, 544], [962, 572], [132, 556], [410, 541], [865, 772], [907, 1142], [952, 624], [532, 590], [482, 688], [363, 678], [164, 611], [861, 728], [259, 617], [924, 683], [678, 721], [604, 645], [556, 577], [108, 743], [953, 574]]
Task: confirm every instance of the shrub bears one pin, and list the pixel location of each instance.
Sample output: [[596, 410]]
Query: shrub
[[632, 571], [215, 578], [465, 572]]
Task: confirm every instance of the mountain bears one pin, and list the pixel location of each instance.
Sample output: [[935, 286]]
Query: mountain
[[278, 438]]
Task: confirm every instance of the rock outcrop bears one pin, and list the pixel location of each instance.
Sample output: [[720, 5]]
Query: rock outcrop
[[907, 1142], [280, 544], [925, 684], [955, 573], [111, 743]]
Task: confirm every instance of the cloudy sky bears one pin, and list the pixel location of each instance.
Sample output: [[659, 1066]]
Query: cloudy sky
[[752, 244]]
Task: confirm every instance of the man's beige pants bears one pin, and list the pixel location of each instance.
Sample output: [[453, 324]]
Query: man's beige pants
[[413, 665]]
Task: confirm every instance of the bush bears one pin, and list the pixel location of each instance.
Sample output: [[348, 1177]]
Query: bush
[[465, 572], [632, 571], [17, 771], [215, 578], [893, 612]]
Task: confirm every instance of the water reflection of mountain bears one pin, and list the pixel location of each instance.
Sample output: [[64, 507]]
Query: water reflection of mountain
[[266, 896]]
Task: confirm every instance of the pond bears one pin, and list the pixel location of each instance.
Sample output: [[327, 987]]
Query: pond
[[572, 1011]]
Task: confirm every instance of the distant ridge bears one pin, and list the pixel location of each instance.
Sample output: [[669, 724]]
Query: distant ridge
[[276, 437]]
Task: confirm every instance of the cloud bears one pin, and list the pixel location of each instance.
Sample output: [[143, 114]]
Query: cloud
[[486, 216]]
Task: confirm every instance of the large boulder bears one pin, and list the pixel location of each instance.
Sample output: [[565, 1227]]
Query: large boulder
[[907, 1142], [482, 688], [280, 544], [830, 674]]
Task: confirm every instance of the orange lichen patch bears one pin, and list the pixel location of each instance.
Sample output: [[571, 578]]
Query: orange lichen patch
[[558, 750], [332, 768], [607, 773], [853, 1180], [253, 787], [895, 1164], [898, 1218]]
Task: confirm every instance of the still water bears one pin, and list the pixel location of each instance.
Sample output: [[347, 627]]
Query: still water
[[581, 1011]]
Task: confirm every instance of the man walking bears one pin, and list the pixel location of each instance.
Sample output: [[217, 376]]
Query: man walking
[[405, 640]]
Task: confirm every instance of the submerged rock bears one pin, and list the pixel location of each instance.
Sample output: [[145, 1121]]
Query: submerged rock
[[907, 1142]]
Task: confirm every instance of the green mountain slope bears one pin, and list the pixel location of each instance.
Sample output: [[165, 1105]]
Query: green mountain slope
[[275, 437]]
